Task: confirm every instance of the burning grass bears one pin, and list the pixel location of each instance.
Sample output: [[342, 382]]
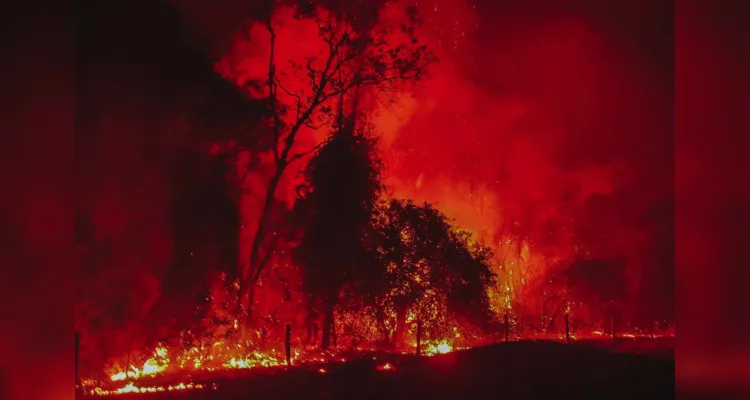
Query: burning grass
[[231, 380], [198, 369], [196, 361]]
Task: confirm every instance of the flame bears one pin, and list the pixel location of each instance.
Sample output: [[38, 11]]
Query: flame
[[196, 359], [386, 367], [131, 388], [476, 206], [443, 348], [243, 358], [151, 367], [440, 347]]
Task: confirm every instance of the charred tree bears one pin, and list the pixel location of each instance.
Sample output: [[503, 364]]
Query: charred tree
[[356, 55], [341, 187], [399, 336]]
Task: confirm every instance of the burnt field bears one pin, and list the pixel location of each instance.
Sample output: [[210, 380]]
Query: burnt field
[[525, 369]]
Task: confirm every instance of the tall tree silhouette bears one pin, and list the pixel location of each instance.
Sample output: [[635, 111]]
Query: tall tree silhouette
[[356, 53], [337, 200]]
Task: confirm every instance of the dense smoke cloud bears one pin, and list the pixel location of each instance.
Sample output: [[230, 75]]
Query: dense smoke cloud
[[552, 118]]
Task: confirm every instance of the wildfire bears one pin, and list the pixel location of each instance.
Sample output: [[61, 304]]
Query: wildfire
[[241, 358], [386, 367], [219, 356], [131, 388], [151, 367], [442, 347], [524, 300]]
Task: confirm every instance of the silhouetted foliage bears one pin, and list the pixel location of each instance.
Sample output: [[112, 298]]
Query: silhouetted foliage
[[358, 54], [337, 200], [420, 254]]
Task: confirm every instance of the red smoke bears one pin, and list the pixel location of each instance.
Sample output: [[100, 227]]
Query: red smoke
[[551, 123], [539, 122]]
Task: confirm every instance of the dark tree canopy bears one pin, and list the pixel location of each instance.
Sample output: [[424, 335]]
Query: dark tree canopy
[[420, 253], [337, 200], [357, 54]]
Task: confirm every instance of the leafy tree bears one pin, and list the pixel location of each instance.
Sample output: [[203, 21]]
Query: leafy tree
[[422, 255], [337, 201]]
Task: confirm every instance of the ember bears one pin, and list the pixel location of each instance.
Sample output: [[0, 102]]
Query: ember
[[386, 367]]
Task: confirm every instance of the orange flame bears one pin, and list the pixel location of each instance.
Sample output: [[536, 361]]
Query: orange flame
[[386, 367]]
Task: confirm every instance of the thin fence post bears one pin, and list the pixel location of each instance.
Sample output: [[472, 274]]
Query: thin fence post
[[612, 327], [78, 345], [288, 343], [419, 337], [333, 332], [567, 329], [507, 327]]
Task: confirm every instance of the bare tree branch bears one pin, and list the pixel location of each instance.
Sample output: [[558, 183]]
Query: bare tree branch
[[312, 150], [264, 261], [313, 127], [272, 98], [297, 97], [351, 60]]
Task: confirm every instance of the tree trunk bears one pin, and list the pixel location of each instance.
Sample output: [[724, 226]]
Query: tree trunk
[[325, 341], [311, 322], [419, 338], [334, 336], [77, 350], [382, 328], [246, 301], [251, 275], [288, 344], [398, 337], [554, 317]]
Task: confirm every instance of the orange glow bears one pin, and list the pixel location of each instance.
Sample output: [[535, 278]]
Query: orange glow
[[443, 348], [151, 367], [243, 359], [495, 163], [386, 367], [131, 388]]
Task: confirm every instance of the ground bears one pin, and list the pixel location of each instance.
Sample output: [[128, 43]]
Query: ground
[[517, 370]]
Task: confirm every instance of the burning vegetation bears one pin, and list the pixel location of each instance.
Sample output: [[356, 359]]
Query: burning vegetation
[[312, 236]]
